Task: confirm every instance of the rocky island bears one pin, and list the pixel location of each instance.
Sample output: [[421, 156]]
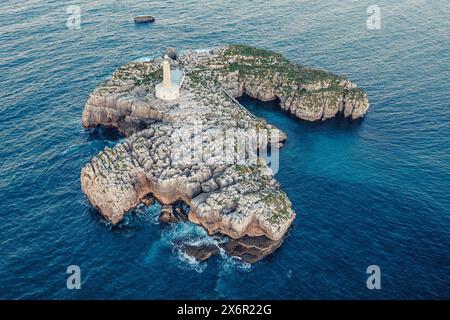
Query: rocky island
[[203, 148]]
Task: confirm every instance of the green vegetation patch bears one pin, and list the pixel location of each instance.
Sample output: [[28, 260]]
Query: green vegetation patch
[[278, 202]]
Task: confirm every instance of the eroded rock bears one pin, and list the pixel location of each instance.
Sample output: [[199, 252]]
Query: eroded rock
[[171, 53], [252, 249], [160, 155], [200, 253]]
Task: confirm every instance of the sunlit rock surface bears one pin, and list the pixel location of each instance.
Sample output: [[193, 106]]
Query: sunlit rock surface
[[188, 149]]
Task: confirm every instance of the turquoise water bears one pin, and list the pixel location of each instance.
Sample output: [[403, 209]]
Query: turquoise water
[[368, 192]]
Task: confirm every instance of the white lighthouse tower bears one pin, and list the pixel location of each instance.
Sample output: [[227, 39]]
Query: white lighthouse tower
[[167, 90]]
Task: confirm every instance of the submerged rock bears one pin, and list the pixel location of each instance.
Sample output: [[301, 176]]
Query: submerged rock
[[160, 155]]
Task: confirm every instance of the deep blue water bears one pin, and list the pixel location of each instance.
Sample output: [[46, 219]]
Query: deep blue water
[[368, 192]]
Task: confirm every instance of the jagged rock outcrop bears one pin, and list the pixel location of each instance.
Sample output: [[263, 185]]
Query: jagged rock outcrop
[[252, 249], [171, 53], [229, 198], [203, 147], [309, 94]]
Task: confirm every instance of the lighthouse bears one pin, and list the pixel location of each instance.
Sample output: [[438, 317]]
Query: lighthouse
[[167, 90]]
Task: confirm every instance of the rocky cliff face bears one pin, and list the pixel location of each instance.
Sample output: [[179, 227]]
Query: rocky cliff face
[[203, 147], [307, 93]]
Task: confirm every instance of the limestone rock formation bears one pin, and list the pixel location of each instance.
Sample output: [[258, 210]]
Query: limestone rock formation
[[164, 157], [171, 53], [200, 253]]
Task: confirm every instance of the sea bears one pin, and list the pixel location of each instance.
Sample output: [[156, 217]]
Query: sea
[[372, 192]]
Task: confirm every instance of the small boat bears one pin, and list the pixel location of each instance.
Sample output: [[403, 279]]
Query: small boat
[[144, 19]]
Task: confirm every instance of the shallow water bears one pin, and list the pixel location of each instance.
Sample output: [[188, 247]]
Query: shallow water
[[367, 192]]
